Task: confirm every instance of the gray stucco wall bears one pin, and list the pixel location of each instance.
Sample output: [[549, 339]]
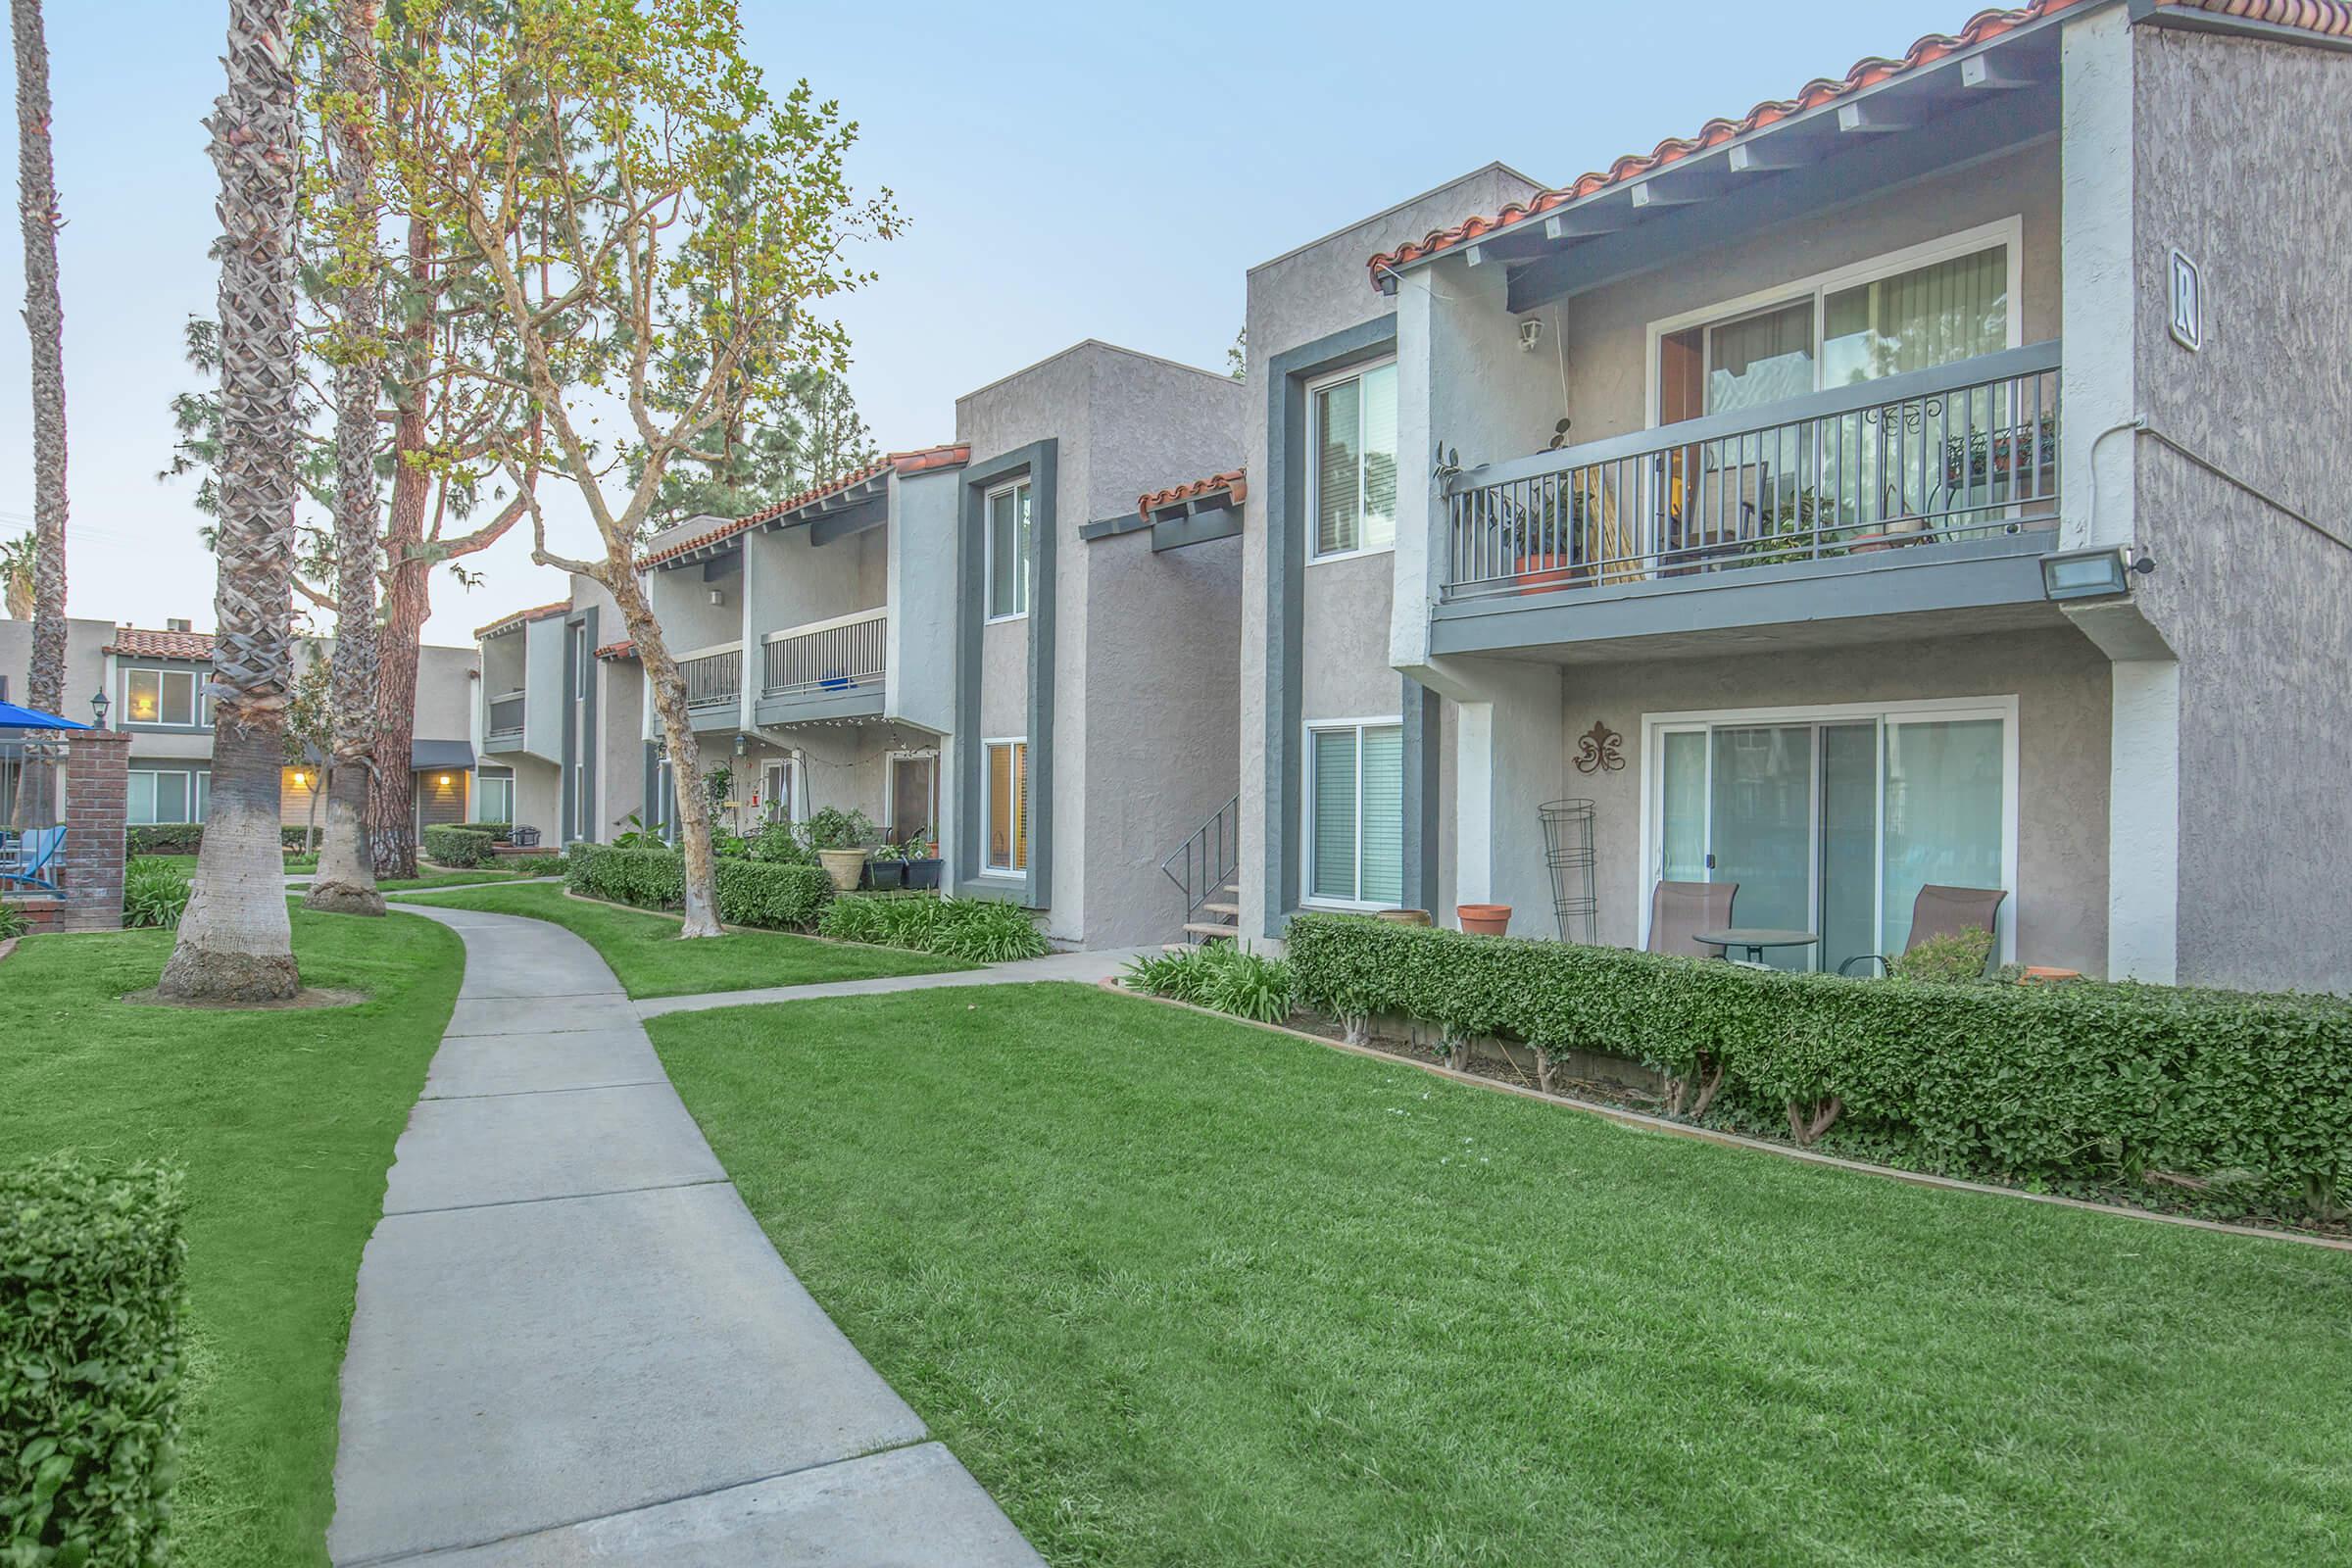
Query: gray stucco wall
[[543, 680], [444, 693], [538, 792], [620, 752], [1607, 329], [921, 561], [2258, 608], [1300, 297], [681, 601], [85, 664], [2061, 684]]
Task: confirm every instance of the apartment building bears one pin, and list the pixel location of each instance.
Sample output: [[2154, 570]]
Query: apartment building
[[1020, 645], [1923, 480], [154, 684]]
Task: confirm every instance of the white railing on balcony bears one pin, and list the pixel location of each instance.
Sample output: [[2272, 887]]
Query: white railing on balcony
[[713, 679], [1959, 452], [843, 654], [504, 715]]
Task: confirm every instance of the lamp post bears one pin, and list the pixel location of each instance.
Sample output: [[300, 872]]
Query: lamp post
[[98, 707]]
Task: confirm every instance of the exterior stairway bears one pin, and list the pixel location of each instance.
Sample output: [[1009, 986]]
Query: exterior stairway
[[1204, 868]]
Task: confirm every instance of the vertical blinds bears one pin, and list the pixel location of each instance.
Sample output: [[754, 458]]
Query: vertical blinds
[[1008, 807], [1384, 817], [1358, 851], [1356, 463], [1335, 815], [1916, 321]]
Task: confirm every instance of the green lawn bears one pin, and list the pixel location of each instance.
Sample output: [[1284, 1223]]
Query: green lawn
[[1178, 1291], [644, 952], [285, 1124], [432, 877]]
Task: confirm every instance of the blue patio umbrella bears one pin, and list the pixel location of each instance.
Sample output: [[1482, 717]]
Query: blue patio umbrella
[[12, 716]]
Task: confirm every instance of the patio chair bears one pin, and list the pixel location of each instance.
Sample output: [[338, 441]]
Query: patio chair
[[1940, 912], [522, 838], [1680, 910], [33, 857]]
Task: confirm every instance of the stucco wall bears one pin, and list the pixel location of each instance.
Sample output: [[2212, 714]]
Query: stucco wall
[[1607, 330], [444, 693], [1298, 298], [681, 601], [85, 664], [793, 581], [538, 793], [920, 569], [2061, 684], [2258, 608], [543, 713], [621, 750]]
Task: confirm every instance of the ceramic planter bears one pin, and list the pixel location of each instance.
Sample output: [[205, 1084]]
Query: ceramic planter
[[843, 866], [922, 874], [886, 875], [1483, 920]]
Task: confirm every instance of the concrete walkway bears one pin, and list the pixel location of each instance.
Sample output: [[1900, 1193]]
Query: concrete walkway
[[573, 1343], [1085, 967]]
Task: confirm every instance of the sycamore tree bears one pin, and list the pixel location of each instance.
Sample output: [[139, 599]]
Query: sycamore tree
[[660, 231]]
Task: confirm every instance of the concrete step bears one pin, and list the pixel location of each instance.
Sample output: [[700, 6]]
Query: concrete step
[[1233, 909], [1209, 932]]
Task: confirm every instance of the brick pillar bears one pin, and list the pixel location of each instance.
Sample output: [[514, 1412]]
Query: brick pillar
[[97, 804]]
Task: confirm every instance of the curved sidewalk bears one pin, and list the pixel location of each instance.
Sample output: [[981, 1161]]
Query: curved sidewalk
[[572, 1343]]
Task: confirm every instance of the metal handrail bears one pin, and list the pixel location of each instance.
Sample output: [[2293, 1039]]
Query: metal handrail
[[837, 654], [1215, 847], [504, 715], [1961, 450], [712, 680]]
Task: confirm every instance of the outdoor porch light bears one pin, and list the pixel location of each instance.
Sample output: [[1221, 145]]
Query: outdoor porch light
[[2090, 574], [98, 707]]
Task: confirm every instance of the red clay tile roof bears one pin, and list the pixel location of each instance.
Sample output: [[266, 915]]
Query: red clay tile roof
[[626, 648], [560, 607], [140, 642], [921, 461], [1235, 480], [2330, 17]]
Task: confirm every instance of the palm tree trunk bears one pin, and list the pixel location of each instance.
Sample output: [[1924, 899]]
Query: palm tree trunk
[[235, 942], [45, 321], [346, 878]]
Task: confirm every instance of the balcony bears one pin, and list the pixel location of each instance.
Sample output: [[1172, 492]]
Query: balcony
[[826, 669], [1930, 489], [502, 722], [713, 686]]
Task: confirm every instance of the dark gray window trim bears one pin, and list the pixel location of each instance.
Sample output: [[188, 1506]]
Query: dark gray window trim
[[1421, 827], [1285, 570], [1039, 461], [577, 809]]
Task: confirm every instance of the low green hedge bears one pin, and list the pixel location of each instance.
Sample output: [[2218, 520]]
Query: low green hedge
[[186, 838], [458, 845], [755, 893], [500, 832], [90, 1289], [2083, 1081], [973, 930]]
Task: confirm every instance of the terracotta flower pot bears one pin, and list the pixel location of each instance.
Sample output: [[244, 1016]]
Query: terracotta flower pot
[[843, 866], [1403, 916], [1483, 920]]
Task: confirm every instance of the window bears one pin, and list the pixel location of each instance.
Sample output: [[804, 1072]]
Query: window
[[1007, 806], [579, 663], [166, 795], [1008, 552], [495, 801], [1355, 814], [1931, 305], [914, 796], [1351, 480], [160, 697]]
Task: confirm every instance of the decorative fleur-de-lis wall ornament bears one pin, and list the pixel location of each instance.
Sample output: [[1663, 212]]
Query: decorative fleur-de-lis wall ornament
[[1599, 749]]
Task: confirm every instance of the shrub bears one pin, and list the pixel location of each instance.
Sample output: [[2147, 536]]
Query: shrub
[[1219, 975], [456, 845], [186, 838], [750, 892], [2081, 1082], [972, 930], [155, 893], [500, 832], [780, 844], [1953, 958], [90, 1265], [836, 830], [14, 922]]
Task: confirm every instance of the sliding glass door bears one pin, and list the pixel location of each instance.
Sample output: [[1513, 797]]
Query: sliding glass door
[[1832, 821]]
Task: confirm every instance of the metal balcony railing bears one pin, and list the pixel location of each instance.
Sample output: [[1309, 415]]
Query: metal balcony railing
[[1957, 452], [713, 680], [504, 715], [826, 655]]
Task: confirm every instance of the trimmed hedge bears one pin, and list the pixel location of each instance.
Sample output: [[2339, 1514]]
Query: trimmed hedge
[[90, 1289], [186, 838], [498, 831], [973, 930], [2083, 1081], [755, 893], [458, 845]]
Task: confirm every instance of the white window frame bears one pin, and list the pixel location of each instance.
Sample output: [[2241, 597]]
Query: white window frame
[[195, 793], [794, 775], [988, 551], [197, 716], [483, 780], [988, 868], [1946, 710], [2007, 231], [1314, 467], [890, 787], [1307, 810]]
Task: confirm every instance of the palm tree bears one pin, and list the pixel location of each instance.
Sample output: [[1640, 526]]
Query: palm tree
[[346, 879], [235, 943], [45, 321]]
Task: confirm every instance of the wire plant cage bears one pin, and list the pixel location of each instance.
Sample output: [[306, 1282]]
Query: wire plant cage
[[1568, 851]]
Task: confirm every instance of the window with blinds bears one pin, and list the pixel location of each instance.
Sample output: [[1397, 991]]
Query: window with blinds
[[1355, 803], [1009, 548], [1353, 475], [1007, 806]]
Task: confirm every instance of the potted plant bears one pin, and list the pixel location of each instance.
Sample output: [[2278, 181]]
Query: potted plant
[[886, 867], [921, 853], [839, 839], [1483, 920]]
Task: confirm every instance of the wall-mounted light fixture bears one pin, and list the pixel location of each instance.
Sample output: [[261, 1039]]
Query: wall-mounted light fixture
[[2092, 574], [719, 596], [1531, 333]]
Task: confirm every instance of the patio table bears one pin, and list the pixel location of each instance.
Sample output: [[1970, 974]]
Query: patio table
[[1755, 938]]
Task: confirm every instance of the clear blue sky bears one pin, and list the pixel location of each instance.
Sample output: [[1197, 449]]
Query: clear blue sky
[[1069, 171]]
